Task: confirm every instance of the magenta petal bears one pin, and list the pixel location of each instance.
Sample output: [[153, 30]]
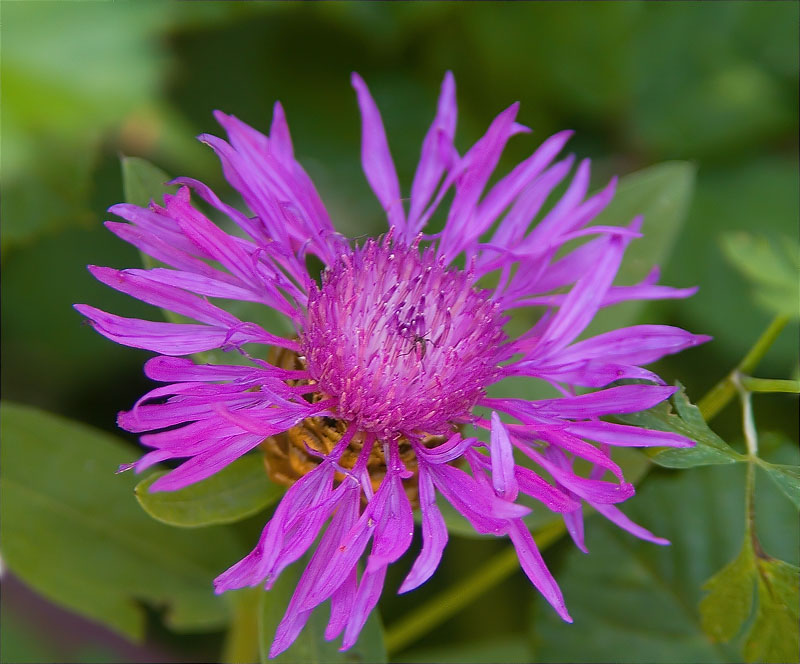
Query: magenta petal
[[509, 187], [516, 222], [165, 338], [452, 449], [369, 591], [336, 565], [554, 499], [434, 534], [594, 491], [255, 567], [615, 515], [583, 300], [640, 344], [376, 158], [481, 507], [532, 564], [627, 436], [288, 631], [342, 602], [477, 165], [279, 138], [613, 400], [437, 155], [574, 523], [160, 295], [390, 509], [204, 465], [502, 454]]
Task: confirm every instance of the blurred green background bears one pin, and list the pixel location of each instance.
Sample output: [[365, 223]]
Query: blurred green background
[[83, 83]]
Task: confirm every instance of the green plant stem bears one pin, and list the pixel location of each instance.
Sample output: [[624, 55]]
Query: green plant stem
[[748, 422], [719, 395], [751, 440], [770, 384], [241, 641], [434, 612]]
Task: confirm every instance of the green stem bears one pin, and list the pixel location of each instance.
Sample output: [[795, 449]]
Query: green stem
[[770, 384], [748, 422], [751, 440], [241, 641], [435, 611], [719, 395]]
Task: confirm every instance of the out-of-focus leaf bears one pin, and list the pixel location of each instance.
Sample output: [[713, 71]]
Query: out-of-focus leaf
[[634, 601], [786, 477], [72, 531], [730, 596], [706, 99], [64, 87], [774, 634], [774, 271], [144, 182], [311, 646], [239, 490], [761, 191], [687, 421]]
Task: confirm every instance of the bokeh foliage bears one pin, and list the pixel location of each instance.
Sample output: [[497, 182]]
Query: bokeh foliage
[[714, 84]]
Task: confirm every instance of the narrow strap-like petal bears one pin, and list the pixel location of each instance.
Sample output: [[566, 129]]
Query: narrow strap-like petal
[[434, 534], [438, 155], [534, 567], [376, 158], [502, 454]]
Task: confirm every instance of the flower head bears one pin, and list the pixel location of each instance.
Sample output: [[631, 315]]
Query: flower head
[[364, 411]]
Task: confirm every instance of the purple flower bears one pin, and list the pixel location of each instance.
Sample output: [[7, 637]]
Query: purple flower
[[364, 410]]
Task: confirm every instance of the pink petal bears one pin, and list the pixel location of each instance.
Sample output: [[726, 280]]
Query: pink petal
[[502, 454], [376, 158], [533, 565], [434, 534]]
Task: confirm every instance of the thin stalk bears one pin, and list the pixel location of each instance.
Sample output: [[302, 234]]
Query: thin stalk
[[751, 440], [748, 421], [449, 602], [770, 385], [719, 395], [241, 641]]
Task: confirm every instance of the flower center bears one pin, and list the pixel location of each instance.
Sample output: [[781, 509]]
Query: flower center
[[403, 344]]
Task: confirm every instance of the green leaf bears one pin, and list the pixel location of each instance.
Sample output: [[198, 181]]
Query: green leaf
[[774, 634], [72, 530], [311, 646], [773, 270], [760, 190], [786, 477], [239, 490], [143, 182], [687, 421], [730, 596], [661, 194], [634, 601]]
